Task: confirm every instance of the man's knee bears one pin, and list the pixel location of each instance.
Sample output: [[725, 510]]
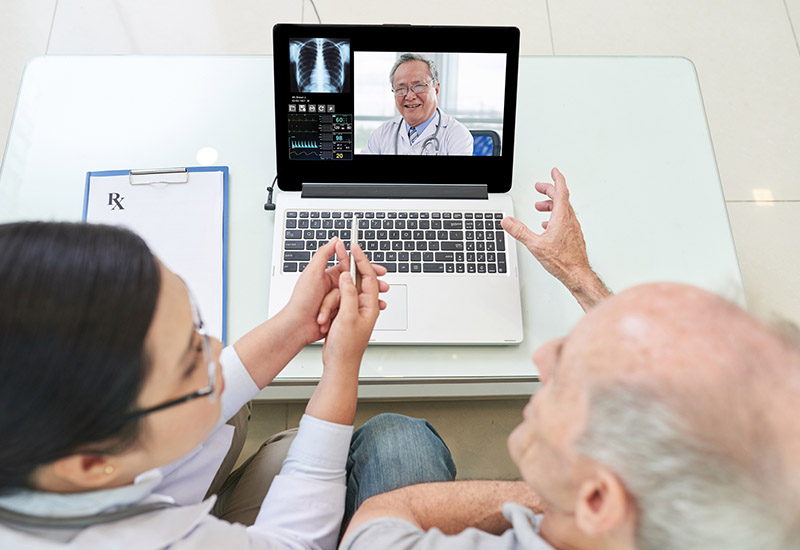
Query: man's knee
[[409, 447]]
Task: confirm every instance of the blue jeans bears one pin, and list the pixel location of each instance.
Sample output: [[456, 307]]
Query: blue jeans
[[391, 451]]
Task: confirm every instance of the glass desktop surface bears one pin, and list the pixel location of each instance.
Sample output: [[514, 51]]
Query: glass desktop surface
[[629, 134]]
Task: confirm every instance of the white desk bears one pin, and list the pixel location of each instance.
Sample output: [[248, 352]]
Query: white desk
[[630, 135]]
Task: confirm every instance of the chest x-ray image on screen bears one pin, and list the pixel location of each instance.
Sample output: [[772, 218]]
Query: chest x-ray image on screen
[[319, 65]]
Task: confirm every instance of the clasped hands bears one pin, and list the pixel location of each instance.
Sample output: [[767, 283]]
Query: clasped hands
[[327, 303]]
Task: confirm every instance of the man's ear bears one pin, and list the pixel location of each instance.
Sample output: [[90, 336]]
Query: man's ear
[[78, 472], [603, 505]]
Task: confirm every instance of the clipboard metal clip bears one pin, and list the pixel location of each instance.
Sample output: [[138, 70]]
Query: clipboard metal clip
[[169, 175]]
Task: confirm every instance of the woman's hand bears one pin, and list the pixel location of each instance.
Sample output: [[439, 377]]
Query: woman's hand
[[335, 397], [358, 311], [315, 298]]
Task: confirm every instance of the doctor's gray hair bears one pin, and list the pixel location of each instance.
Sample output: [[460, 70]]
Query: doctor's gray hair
[[689, 491], [406, 57]]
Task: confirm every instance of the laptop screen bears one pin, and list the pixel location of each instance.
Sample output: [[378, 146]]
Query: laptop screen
[[395, 104]]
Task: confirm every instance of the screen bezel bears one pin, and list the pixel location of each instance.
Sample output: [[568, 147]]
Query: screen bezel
[[495, 172]]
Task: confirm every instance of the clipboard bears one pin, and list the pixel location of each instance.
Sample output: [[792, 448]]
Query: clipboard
[[182, 215]]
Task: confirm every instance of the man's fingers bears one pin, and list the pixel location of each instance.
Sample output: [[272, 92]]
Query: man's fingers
[[544, 206], [546, 189], [381, 305], [383, 286], [519, 230]]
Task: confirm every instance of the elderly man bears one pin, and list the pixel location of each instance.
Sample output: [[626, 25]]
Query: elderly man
[[422, 128], [666, 420]]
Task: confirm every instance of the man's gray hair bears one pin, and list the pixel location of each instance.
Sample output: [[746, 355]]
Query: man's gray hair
[[688, 492], [406, 57]]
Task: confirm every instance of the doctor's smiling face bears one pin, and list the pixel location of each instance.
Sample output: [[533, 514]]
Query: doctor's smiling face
[[415, 106]]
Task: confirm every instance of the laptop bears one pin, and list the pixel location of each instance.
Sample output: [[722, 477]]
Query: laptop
[[402, 137]]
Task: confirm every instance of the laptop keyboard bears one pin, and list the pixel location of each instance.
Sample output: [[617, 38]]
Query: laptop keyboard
[[402, 241]]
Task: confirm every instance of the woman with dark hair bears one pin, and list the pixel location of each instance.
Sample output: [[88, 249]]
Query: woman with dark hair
[[113, 402]]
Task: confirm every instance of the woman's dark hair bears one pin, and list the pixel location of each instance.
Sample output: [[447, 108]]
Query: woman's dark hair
[[76, 301]]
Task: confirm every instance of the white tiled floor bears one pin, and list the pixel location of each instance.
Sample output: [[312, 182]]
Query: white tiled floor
[[747, 58]]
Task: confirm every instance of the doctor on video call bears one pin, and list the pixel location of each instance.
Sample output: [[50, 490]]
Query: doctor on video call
[[422, 127]]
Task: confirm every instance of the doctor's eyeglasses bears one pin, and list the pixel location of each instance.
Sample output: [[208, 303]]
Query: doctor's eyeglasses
[[416, 88], [211, 364]]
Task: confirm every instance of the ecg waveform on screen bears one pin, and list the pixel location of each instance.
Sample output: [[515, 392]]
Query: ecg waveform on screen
[[323, 137]]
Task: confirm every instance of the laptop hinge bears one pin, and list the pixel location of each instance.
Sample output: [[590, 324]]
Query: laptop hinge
[[394, 191]]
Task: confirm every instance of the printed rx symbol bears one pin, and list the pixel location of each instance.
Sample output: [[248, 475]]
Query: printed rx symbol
[[115, 201]]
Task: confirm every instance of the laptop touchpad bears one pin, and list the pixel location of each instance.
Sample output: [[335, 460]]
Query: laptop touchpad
[[395, 316]]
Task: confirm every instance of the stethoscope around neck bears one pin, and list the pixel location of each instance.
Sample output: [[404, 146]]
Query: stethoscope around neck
[[433, 140]]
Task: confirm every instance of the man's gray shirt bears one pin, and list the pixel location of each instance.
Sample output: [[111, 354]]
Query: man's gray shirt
[[393, 533]]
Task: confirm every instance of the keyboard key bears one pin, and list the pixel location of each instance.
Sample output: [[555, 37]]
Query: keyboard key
[[491, 268], [391, 267], [433, 245], [294, 245], [391, 256], [291, 214], [291, 224], [310, 245], [481, 268], [416, 268], [449, 268], [303, 214], [296, 256], [444, 257], [427, 256], [289, 267], [294, 234], [447, 216], [378, 256], [433, 268], [308, 234], [336, 214], [326, 214], [422, 245], [452, 245], [470, 268], [385, 245], [415, 256], [452, 224], [498, 215], [402, 268], [403, 256], [315, 214], [303, 224], [456, 235], [459, 268]]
